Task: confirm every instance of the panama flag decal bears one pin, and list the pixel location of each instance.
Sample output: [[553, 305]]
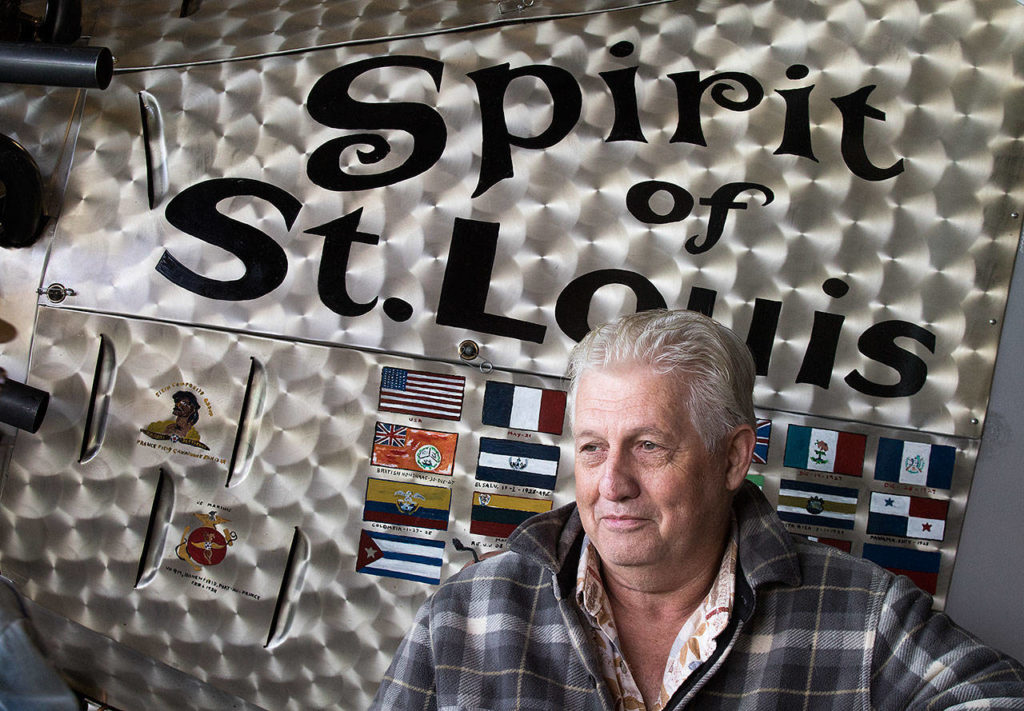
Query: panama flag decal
[[907, 516]]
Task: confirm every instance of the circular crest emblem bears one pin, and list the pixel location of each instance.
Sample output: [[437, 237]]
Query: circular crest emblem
[[914, 464], [206, 546], [815, 505], [428, 457]]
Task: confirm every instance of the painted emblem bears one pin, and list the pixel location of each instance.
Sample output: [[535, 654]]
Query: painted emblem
[[914, 464], [428, 457], [408, 501], [485, 499], [815, 505], [820, 452], [205, 545], [181, 429], [517, 463]]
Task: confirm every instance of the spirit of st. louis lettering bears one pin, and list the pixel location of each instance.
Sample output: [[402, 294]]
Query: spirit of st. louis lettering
[[473, 245]]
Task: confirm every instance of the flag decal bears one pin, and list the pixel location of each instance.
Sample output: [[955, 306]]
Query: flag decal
[[518, 463], [413, 450], [920, 566], [816, 449], [907, 516], [402, 557], [815, 504], [915, 463], [414, 392], [763, 438], [407, 504], [498, 515], [523, 408]]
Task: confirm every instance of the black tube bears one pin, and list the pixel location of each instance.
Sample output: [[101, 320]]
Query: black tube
[[22, 406], [55, 65]]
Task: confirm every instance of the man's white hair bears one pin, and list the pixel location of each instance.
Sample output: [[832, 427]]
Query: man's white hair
[[708, 358]]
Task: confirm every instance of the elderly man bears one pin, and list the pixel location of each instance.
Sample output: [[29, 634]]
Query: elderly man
[[671, 583]]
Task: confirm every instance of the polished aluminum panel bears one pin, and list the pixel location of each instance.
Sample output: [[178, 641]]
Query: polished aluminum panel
[[100, 542], [930, 247], [98, 508], [44, 121], [283, 620], [153, 33]]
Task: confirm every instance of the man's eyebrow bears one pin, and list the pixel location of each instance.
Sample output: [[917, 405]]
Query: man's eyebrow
[[631, 434]]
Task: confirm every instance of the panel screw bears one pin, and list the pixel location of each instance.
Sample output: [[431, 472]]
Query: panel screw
[[469, 350], [57, 292]]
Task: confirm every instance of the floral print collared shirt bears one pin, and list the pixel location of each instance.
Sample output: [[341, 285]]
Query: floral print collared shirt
[[694, 644]]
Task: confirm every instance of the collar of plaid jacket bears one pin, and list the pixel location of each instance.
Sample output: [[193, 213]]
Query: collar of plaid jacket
[[766, 552]]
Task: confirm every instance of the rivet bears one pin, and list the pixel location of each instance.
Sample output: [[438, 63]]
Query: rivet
[[469, 350], [57, 292]]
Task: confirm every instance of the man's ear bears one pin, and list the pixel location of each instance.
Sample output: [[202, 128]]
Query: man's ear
[[739, 451]]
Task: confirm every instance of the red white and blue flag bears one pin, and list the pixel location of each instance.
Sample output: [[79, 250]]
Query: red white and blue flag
[[403, 557], [907, 516], [915, 463], [517, 463], [920, 566], [845, 546], [414, 392], [764, 435], [413, 450], [523, 408]]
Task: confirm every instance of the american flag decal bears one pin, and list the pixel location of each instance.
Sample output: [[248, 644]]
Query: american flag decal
[[764, 435], [389, 435], [414, 392]]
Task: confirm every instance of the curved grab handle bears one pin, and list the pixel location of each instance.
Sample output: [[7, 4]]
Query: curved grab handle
[[99, 401], [155, 145], [156, 532], [291, 588], [248, 424]]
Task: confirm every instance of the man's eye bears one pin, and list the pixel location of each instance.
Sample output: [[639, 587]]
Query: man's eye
[[648, 446]]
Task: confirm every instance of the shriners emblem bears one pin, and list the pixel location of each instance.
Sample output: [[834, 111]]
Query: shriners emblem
[[205, 545]]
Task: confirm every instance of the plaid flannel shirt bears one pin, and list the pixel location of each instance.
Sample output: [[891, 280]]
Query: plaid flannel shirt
[[812, 628]]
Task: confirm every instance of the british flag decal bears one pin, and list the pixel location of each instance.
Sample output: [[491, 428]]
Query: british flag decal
[[389, 435], [764, 435]]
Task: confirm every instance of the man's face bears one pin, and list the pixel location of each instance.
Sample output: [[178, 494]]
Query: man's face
[[182, 408], [648, 491]]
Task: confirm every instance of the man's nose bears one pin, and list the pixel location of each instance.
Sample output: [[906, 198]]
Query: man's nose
[[618, 478]]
